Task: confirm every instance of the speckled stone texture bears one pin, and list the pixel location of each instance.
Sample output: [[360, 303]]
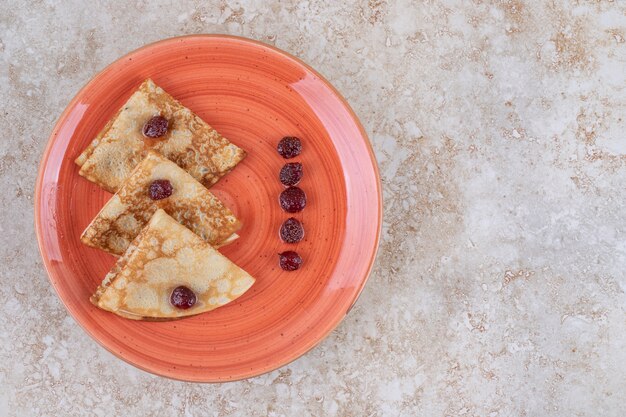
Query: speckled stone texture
[[499, 288]]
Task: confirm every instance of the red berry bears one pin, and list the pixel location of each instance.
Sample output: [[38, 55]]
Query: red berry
[[291, 173], [292, 199], [155, 127], [291, 231], [290, 260], [183, 298], [160, 189], [289, 147]]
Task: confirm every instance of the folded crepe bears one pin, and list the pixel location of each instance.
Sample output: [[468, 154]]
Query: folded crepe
[[189, 141], [130, 209], [164, 257]]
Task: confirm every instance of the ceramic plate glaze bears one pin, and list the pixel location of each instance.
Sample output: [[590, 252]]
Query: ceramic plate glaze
[[254, 95]]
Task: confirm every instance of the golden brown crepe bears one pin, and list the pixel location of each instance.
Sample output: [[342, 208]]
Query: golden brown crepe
[[166, 255], [130, 209], [190, 142]]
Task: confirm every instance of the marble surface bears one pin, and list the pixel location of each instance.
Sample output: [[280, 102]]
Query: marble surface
[[499, 288]]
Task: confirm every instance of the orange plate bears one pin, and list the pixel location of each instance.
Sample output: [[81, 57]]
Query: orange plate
[[253, 94]]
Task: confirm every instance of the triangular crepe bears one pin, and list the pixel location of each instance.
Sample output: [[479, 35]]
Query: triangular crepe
[[190, 142], [164, 256], [130, 209]]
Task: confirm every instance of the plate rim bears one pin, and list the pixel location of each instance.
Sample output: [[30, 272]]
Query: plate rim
[[39, 231]]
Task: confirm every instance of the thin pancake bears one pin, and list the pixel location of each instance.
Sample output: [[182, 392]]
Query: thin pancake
[[130, 209], [166, 255], [190, 142]]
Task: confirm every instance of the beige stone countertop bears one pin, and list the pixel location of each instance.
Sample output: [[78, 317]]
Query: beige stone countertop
[[500, 131]]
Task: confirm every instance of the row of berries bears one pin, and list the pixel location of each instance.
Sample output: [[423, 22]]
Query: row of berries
[[292, 200]]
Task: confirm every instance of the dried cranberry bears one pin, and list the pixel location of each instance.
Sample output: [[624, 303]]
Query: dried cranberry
[[155, 127], [292, 199], [183, 298], [289, 147], [160, 189], [291, 173], [291, 231], [290, 260]]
